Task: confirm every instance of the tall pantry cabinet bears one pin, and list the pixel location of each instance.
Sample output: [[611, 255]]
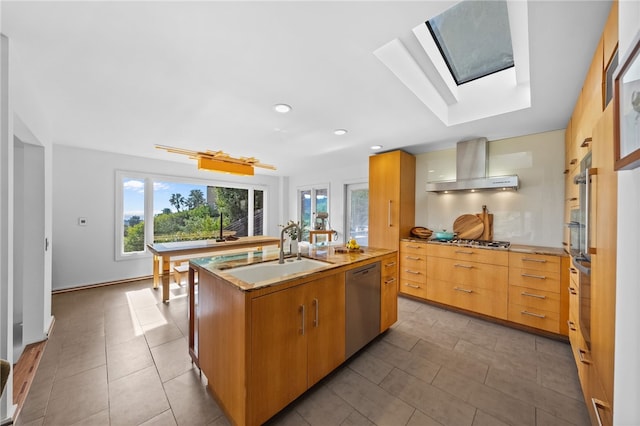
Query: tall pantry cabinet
[[392, 195], [592, 298]]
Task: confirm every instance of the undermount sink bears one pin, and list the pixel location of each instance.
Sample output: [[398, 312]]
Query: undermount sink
[[269, 270]]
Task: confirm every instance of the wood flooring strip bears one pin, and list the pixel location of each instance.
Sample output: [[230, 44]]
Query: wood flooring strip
[[24, 371]]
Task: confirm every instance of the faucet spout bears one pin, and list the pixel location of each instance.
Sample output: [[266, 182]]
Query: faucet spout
[[298, 233]]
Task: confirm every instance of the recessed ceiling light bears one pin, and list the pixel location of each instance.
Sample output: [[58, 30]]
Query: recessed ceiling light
[[340, 132], [282, 108], [376, 147]]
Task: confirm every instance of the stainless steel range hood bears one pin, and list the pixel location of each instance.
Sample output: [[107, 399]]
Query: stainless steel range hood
[[471, 171]]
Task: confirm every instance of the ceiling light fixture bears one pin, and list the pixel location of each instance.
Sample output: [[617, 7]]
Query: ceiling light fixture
[[282, 108], [218, 161], [376, 147], [340, 132]]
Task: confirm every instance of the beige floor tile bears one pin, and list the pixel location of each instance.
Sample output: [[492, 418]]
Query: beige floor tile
[[128, 357], [157, 335], [462, 363], [101, 418], [163, 419], [427, 398], [504, 407], [190, 400], [136, 398], [484, 419], [370, 400], [321, 406], [407, 361], [172, 359], [370, 367], [421, 419], [356, 419]]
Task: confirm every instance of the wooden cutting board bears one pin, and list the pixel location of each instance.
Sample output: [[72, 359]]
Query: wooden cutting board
[[468, 227]]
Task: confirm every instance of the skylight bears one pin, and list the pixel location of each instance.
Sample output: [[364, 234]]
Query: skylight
[[474, 39]]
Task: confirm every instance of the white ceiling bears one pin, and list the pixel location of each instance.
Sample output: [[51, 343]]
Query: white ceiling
[[125, 76]]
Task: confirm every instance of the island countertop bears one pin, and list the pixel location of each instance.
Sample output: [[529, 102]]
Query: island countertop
[[335, 256]]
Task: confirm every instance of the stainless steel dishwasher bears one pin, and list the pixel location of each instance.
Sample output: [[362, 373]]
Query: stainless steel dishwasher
[[362, 304]]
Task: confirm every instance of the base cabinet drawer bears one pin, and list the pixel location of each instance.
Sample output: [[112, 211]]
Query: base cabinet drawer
[[534, 317], [413, 288], [466, 272], [534, 299], [492, 302], [532, 278]]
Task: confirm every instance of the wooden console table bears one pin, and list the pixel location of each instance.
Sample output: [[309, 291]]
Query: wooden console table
[[166, 251]]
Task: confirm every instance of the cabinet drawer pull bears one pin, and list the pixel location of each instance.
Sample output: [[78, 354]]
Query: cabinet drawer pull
[[584, 357], [316, 321], [533, 314], [390, 264], [530, 259], [411, 285], [412, 258], [459, 265], [538, 296], [573, 270], [389, 281], [389, 214], [572, 291], [573, 161], [302, 316], [599, 404], [464, 252], [572, 325], [409, 271], [464, 290], [540, 277], [414, 247]]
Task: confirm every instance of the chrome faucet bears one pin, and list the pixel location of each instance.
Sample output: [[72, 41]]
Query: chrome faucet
[[299, 234]]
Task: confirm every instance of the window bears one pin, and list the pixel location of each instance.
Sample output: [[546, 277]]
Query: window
[[310, 202], [132, 217], [474, 39], [157, 210], [357, 212]]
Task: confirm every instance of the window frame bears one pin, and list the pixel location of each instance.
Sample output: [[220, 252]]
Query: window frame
[[148, 216]]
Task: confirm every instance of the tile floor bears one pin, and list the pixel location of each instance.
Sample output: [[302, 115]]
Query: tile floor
[[118, 356]]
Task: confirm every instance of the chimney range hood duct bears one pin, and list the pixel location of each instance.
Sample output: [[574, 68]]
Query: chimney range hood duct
[[471, 171]]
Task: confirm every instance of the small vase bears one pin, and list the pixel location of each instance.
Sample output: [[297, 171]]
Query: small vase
[[294, 247]]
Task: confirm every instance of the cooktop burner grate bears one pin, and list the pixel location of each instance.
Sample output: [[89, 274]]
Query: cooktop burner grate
[[478, 243]]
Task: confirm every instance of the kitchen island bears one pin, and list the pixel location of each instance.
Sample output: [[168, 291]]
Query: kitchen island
[[262, 344]]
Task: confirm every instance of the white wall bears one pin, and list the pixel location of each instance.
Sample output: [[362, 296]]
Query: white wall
[[627, 343], [532, 215], [84, 186]]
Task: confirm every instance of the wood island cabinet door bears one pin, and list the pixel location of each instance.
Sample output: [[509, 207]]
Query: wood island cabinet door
[[278, 351], [326, 326]]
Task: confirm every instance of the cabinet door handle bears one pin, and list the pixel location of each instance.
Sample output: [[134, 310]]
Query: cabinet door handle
[[463, 252], [530, 259], [316, 321], [412, 258], [390, 264], [599, 404], [464, 290], [412, 286], [459, 265], [389, 214], [409, 271], [302, 316], [584, 358], [539, 296], [389, 281], [540, 277], [533, 314]]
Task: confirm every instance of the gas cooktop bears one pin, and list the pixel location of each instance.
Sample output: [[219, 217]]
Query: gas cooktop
[[476, 243]]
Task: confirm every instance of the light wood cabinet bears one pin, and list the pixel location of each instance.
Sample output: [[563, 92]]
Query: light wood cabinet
[[413, 268], [595, 360], [297, 337], [468, 278], [392, 180], [534, 291], [388, 292]]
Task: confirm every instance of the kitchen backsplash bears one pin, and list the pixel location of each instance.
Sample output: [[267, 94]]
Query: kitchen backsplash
[[532, 215]]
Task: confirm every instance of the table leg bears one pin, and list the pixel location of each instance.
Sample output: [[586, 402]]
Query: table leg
[[166, 277], [156, 271]]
